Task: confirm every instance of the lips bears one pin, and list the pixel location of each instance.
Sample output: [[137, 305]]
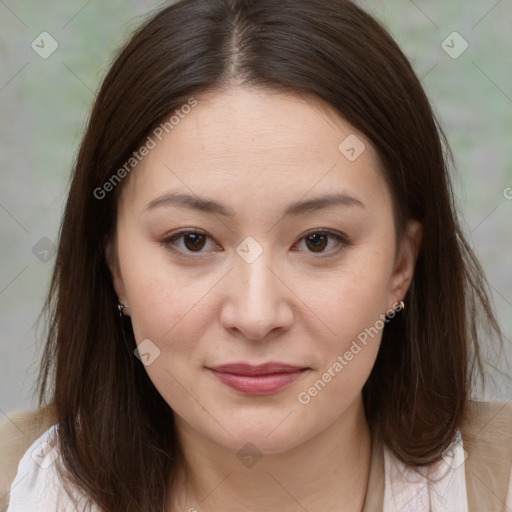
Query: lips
[[257, 380], [262, 369]]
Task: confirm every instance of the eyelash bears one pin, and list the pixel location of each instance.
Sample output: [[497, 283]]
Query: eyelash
[[341, 239]]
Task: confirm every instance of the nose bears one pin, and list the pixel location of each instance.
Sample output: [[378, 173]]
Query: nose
[[258, 301]]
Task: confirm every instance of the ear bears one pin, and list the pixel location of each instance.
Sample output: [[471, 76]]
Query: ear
[[113, 265], [406, 261]]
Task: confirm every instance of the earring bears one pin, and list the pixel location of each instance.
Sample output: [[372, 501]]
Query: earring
[[120, 307], [402, 305]]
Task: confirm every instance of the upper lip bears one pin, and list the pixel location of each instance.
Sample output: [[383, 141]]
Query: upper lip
[[262, 369]]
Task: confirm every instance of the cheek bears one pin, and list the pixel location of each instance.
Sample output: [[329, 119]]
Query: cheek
[[345, 352], [348, 301], [349, 335], [163, 297], [349, 307], [173, 321]]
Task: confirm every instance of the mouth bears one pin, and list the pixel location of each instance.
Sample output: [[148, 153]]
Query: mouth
[[257, 380]]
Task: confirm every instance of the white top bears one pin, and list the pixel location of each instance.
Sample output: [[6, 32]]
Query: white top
[[37, 487]]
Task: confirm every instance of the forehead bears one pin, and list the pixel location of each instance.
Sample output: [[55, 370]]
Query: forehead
[[251, 146]]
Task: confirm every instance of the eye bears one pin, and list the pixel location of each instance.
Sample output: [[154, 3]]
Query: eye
[[317, 241], [193, 242]]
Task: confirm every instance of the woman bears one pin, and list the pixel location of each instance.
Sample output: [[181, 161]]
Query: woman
[[262, 195]]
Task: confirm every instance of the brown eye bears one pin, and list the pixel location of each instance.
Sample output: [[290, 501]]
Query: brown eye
[[317, 242], [194, 241], [191, 242]]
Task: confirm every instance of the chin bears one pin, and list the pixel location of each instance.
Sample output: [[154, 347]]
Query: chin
[[264, 437], [257, 443]]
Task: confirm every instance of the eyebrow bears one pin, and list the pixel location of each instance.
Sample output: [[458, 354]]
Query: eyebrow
[[194, 202]]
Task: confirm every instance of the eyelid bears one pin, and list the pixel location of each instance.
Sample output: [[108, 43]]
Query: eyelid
[[167, 243]]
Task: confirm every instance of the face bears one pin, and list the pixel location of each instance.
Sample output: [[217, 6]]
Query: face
[[228, 251]]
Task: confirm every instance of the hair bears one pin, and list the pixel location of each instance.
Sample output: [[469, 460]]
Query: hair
[[116, 432]]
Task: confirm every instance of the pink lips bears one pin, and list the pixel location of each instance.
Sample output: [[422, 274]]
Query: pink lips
[[257, 380]]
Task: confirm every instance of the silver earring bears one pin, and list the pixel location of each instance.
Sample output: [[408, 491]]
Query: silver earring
[[120, 307]]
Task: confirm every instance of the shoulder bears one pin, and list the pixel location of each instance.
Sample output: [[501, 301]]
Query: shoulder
[[487, 440], [487, 432], [474, 474], [36, 484], [488, 417], [18, 430]]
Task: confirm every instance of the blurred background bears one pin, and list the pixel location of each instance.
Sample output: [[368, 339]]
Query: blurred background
[[54, 55]]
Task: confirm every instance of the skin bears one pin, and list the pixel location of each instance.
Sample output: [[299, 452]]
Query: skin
[[256, 152]]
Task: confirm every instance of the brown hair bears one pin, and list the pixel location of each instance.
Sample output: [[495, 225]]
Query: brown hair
[[113, 424]]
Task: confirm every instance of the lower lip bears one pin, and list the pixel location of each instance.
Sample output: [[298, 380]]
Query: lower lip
[[258, 384]]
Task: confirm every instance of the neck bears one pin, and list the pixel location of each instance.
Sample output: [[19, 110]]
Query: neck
[[329, 472]]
